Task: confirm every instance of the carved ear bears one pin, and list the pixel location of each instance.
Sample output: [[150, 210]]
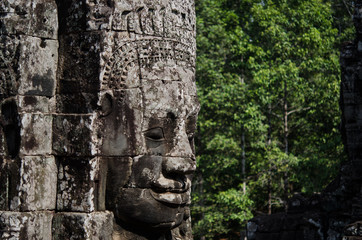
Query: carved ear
[[106, 105]]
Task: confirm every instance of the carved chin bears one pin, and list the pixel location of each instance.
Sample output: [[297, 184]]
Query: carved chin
[[150, 209]]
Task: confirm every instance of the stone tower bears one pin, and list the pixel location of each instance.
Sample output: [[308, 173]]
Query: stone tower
[[98, 112]]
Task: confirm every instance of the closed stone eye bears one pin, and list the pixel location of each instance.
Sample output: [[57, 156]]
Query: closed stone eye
[[155, 134]]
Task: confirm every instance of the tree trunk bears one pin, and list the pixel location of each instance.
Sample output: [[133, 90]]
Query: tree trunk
[[243, 160], [286, 143], [270, 164]]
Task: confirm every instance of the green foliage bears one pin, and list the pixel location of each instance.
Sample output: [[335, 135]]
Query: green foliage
[[268, 81], [227, 209]]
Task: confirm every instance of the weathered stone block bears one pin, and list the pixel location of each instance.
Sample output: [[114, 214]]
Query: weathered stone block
[[80, 103], [34, 18], [37, 66], [80, 16], [8, 65], [36, 132], [4, 183], [35, 104], [10, 176], [26, 133], [73, 135], [79, 63], [87, 226], [29, 63], [26, 225], [36, 184], [81, 184]]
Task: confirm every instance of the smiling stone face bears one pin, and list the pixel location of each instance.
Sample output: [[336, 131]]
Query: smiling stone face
[[151, 129], [156, 190], [148, 114]]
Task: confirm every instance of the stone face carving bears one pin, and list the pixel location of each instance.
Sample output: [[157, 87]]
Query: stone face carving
[[98, 114], [150, 82]]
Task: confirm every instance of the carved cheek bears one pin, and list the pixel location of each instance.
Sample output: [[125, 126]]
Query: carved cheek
[[156, 148], [145, 171]]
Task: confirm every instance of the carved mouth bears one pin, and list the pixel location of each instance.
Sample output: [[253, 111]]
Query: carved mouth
[[168, 225], [172, 185], [171, 197]]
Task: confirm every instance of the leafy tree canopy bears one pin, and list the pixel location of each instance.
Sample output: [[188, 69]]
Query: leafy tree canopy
[[268, 80]]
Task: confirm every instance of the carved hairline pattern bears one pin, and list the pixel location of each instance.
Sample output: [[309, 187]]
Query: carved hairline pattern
[[117, 67], [145, 52]]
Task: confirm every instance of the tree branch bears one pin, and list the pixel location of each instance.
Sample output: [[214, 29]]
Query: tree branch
[[347, 7], [297, 110]]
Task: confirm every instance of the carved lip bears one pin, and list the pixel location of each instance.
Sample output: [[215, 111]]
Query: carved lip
[[173, 185], [171, 197]]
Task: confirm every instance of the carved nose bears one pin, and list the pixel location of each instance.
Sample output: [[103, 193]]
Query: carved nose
[[179, 165], [182, 147]]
